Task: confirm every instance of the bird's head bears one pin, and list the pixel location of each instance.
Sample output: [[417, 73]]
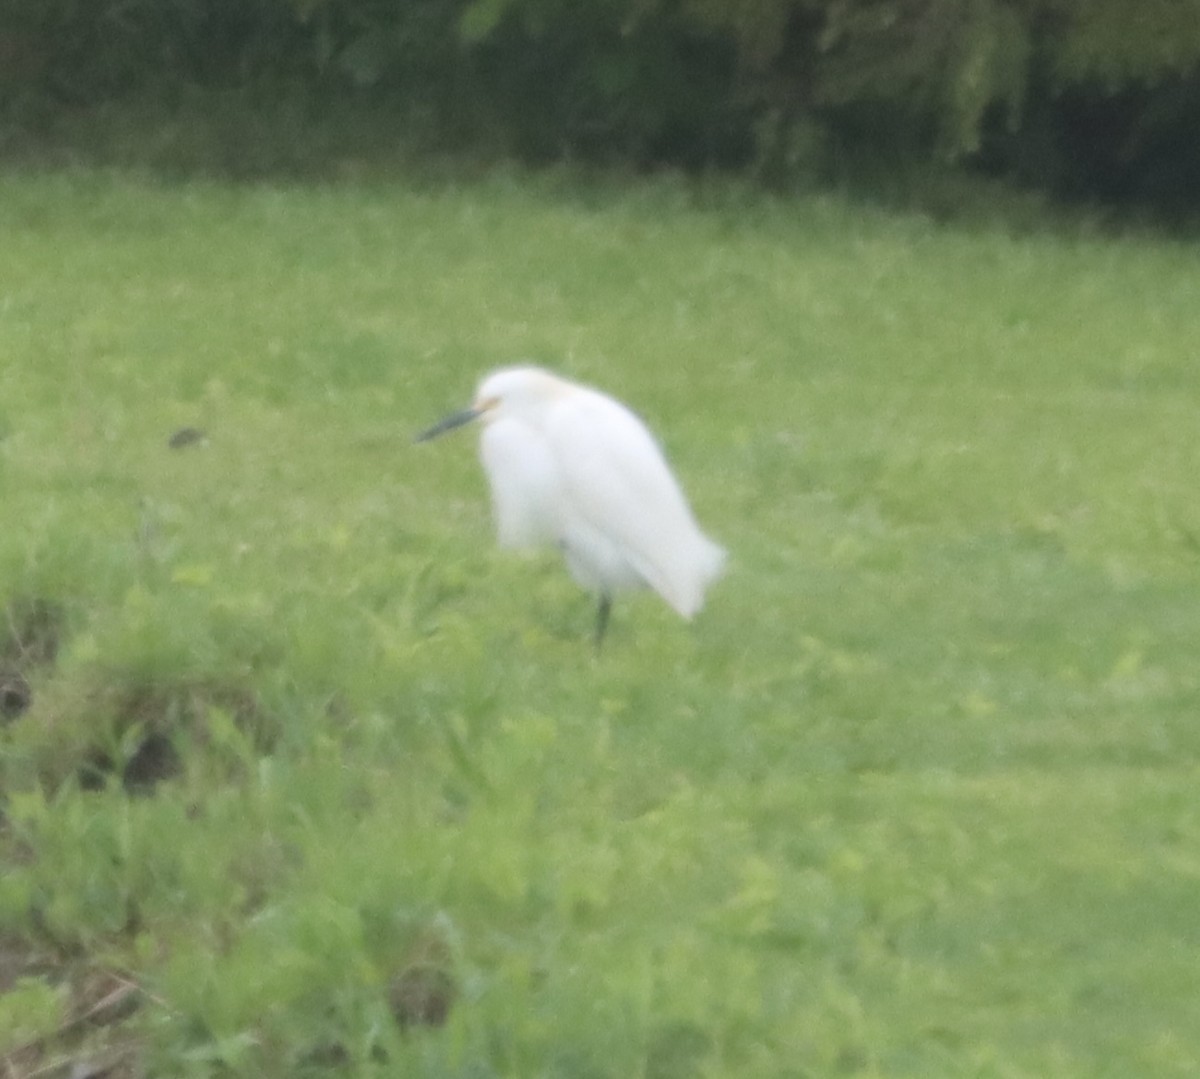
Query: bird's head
[[510, 391]]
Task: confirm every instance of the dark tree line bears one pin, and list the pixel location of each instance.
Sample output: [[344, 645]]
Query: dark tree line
[[1101, 96]]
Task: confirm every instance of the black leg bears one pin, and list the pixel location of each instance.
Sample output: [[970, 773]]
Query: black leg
[[602, 613]]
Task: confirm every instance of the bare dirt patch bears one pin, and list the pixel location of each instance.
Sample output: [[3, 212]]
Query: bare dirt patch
[[92, 1037]]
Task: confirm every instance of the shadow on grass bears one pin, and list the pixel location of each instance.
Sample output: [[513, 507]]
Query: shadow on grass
[[30, 634]]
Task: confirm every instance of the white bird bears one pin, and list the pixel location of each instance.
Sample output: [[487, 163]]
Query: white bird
[[572, 467]]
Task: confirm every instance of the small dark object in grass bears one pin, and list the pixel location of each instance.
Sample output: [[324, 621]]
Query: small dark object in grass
[[15, 695], [154, 760], [423, 990], [187, 436], [421, 995]]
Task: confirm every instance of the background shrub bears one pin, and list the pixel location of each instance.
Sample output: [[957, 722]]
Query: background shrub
[[1085, 96]]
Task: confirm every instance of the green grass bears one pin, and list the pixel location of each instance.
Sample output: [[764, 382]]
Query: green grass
[[914, 795]]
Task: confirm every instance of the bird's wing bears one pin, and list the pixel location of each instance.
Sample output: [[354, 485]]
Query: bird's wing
[[616, 478], [525, 483]]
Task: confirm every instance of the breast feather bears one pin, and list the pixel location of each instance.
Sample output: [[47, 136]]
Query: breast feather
[[525, 483]]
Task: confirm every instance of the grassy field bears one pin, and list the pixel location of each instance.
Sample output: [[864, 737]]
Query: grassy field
[[302, 778]]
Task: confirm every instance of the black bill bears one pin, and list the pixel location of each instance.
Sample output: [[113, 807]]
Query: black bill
[[448, 424]]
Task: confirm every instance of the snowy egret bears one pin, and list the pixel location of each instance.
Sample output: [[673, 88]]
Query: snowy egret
[[572, 467]]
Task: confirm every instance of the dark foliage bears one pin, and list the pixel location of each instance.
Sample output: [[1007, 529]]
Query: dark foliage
[[1086, 97]]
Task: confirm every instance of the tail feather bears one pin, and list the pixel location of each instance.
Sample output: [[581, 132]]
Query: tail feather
[[688, 584]]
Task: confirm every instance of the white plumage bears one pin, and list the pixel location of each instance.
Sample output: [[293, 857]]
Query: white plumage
[[571, 466]]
